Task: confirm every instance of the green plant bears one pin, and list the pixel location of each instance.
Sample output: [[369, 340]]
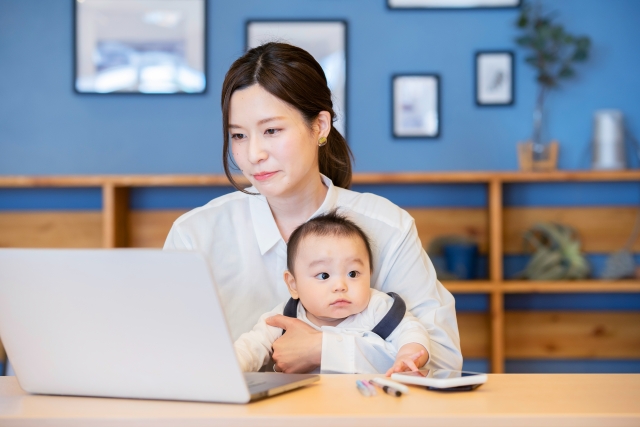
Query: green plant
[[552, 51]]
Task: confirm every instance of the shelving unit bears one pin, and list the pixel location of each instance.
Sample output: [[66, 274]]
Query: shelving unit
[[117, 227]]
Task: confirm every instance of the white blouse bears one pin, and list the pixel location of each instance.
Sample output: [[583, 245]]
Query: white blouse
[[239, 236]]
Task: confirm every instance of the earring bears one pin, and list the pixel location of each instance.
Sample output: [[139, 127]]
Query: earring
[[322, 141]]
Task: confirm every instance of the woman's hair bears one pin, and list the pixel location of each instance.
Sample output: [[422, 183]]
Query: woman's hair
[[331, 224], [293, 75]]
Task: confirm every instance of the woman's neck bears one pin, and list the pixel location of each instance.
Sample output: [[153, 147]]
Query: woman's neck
[[294, 209]]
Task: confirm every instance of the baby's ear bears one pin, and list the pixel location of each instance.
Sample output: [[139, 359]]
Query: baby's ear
[[291, 284]]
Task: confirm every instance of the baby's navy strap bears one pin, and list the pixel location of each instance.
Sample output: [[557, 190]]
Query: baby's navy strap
[[291, 309], [392, 319], [384, 328]]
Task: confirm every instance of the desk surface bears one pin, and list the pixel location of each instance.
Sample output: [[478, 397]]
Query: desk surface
[[505, 400]]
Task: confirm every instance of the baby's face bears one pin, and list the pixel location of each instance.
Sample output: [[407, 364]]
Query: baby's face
[[332, 278]]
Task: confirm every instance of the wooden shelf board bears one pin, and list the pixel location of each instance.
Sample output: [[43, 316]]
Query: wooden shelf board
[[570, 176], [480, 177], [533, 286], [117, 180], [568, 286], [469, 286]]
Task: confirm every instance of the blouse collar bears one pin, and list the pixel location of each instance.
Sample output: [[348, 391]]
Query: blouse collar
[[264, 223]]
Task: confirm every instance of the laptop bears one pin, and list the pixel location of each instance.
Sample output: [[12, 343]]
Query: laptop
[[130, 323]]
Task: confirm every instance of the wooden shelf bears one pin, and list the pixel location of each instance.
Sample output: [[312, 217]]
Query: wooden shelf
[[480, 177], [117, 226], [533, 286], [469, 286], [579, 286]]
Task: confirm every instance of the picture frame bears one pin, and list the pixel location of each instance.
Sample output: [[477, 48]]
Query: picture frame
[[494, 78], [453, 4], [150, 47], [325, 40], [416, 106]]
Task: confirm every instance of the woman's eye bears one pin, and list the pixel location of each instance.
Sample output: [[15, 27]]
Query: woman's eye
[[322, 276], [237, 136], [271, 131], [353, 274]]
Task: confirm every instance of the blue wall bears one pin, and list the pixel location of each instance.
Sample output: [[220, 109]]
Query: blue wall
[[45, 128]]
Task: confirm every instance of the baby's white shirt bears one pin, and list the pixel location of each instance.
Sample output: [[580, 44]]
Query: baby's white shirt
[[254, 348]]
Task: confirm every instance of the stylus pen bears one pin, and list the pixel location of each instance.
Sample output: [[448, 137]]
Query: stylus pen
[[371, 387], [387, 389], [383, 381], [362, 388]]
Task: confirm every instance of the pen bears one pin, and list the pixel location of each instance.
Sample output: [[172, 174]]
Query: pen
[[372, 389], [383, 381], [387, 389], [362, 388]]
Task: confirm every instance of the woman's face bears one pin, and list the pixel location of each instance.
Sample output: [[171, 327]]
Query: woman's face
[[272, 143]]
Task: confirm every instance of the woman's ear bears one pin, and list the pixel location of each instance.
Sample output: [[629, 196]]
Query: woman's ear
[[291, 284], [323, 122]]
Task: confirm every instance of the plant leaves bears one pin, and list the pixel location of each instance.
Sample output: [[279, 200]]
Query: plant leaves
[[566, 72], [532, 60], [523, 20], [546, 80], [583, 43], [557, 33], [524, 41], [580, 55]]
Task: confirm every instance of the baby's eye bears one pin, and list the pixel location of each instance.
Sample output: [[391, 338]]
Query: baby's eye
[[322, 276], [237, 136], [353, 274]]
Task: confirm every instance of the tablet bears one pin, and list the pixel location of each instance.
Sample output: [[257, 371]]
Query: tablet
[[442, 379]]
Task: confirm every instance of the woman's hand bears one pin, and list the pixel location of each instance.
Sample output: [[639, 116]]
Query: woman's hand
[[411, 357], [300, 349]]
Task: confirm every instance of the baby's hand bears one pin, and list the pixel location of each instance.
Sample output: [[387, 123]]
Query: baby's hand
[[411, 357]]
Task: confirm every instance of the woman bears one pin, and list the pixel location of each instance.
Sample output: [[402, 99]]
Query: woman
[[277, 128]]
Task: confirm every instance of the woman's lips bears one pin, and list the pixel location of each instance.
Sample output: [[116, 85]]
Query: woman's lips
[[340, 303], [263, 176]]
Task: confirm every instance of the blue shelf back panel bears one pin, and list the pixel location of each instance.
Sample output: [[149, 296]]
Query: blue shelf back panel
[[575, 366], [567, 194], [471, 302], [28, 199], [573, 302], [553, 302], [430, 195], [174, 197], [406, 195]]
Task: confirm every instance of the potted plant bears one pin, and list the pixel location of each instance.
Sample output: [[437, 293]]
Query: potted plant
[[552, 52]]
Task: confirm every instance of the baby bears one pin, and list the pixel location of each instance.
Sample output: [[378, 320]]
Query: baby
[[329, 273]]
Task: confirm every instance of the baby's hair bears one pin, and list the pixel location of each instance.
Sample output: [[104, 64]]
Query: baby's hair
[[328, 224]]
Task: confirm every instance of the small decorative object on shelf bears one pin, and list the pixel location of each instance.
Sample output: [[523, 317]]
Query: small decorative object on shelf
[[556, 254], [608, 141], [528, 162], [552, 52]]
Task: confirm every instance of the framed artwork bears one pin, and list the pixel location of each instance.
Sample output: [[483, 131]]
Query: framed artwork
[[451, 4], [140, 46], [416, 106], [494, 78], [326, 41]]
